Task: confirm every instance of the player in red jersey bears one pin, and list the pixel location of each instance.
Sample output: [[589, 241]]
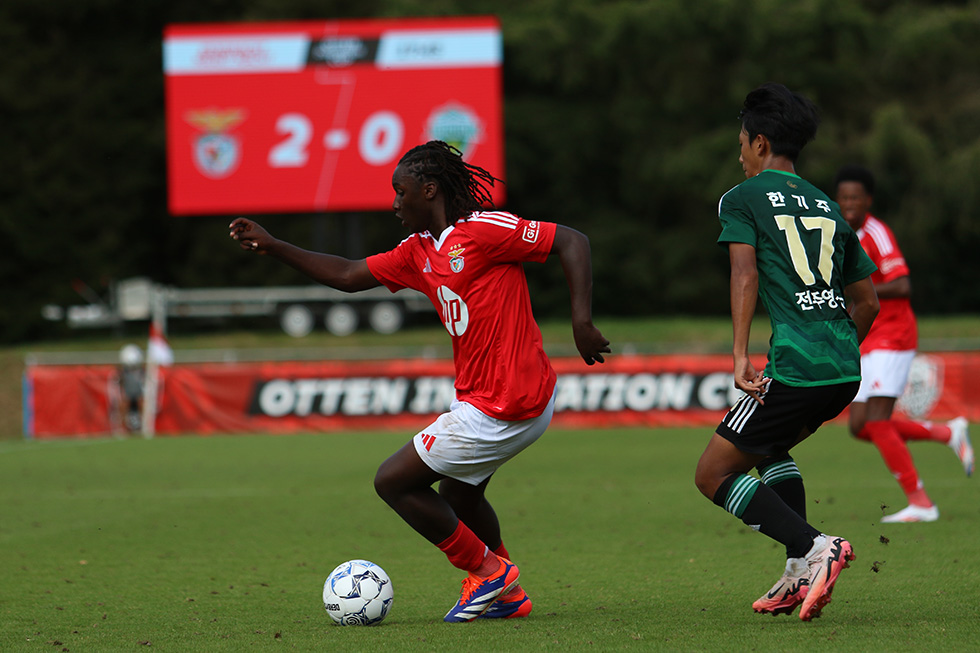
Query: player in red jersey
[[468, 261], [887, 353]]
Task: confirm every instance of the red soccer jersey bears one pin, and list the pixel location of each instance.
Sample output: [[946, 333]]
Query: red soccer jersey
[[894, 329], [473, 276]]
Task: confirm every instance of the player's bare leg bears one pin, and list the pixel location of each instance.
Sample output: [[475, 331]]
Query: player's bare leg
[[857, 416], [405, 483], [470, 504], [719, 461]]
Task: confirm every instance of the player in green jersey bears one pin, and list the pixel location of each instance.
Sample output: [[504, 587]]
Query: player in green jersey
[[789, 245]]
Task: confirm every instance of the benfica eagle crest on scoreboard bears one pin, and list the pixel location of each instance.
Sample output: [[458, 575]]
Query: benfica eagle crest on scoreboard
[[216, 152]]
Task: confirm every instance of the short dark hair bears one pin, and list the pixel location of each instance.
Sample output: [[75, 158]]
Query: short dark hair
[[860, 174], [787, 119], [465, 188]]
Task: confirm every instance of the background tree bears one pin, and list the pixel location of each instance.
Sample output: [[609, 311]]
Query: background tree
[[620, 120]]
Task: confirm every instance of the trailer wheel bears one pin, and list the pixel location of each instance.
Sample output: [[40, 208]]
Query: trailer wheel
[[341, 319], [297, 320], [386, 317]]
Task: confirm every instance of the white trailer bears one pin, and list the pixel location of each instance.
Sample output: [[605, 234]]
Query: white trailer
[[297, 307]]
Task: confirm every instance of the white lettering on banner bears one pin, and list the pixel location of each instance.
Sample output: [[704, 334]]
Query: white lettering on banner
[[354, 396], [717, 391], [594, 387], [615, 397], [357, 399], [277, 398], [387, 397], [641, 392], [426, 395], [676, 391], [432, 395], [638, 392], [333, 390], [306, 392], [568, 396]]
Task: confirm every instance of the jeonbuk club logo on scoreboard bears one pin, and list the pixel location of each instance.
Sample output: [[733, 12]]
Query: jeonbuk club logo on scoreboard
[[455, 124], [216, 152]]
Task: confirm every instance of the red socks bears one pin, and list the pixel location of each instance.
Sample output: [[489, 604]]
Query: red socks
[[885, 436], [464, 549], [890, 437], [922, 431]]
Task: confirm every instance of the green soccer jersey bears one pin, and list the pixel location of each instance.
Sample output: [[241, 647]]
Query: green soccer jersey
[[806, 254]]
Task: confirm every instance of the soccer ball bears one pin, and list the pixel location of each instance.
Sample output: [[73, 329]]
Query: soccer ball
[[357, 593]]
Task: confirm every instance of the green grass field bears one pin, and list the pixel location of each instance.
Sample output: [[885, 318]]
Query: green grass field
[[223, 544]]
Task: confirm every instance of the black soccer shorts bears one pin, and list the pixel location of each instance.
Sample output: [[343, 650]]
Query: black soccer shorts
[[774, 427]]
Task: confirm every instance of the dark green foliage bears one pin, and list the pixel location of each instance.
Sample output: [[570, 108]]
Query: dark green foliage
[[620, 122]]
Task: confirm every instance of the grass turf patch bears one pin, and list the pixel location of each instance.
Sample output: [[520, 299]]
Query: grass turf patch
[[223, 544]]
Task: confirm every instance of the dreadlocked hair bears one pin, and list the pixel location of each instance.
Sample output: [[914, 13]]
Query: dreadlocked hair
[[465, 187]]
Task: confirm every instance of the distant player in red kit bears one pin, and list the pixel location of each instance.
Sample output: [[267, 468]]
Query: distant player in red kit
[[468, 261], [887, 353]]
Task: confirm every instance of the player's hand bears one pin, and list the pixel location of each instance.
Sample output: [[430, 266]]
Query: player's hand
[[590, 343], [748, 380], [251, 236]]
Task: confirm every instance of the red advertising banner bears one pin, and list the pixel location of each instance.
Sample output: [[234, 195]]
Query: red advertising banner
[[289, 397], [312, 116]]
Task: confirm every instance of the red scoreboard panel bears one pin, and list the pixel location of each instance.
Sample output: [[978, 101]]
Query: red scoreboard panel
[[312, 116]]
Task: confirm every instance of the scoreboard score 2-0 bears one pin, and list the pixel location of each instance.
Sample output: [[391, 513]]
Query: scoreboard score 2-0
[[312, 116]]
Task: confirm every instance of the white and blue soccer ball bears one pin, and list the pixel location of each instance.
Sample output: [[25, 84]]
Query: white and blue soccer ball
[[357, 593]]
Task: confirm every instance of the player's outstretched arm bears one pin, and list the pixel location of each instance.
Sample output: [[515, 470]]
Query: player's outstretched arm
[[864, 305], [334, 271], [572, 248]]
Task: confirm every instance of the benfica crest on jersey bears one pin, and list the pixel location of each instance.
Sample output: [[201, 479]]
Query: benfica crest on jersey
[[456, 258]]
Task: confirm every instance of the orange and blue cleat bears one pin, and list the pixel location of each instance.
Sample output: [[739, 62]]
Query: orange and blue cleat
[[479, 592], [514, 605]]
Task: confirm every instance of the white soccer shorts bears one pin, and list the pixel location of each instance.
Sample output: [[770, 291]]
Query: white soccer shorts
[[469, 446], [884, 373]]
